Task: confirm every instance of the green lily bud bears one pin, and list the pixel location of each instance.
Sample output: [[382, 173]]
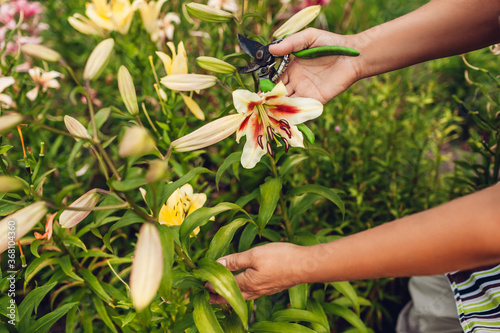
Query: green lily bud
[[147, 268], [40, 52], [298, 21], [76, 128], [9, 121], [10, 184], [215, 65], [136, 142], [157, 170], [15, 226], [70, 218], [208, 14], [127, 91], [98, 59]]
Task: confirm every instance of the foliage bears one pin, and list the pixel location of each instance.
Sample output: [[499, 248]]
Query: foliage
[[377, 156]]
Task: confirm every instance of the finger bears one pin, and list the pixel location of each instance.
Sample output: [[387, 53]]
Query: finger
[[296, 42], [210, 288], [217, 299], [236, 261]]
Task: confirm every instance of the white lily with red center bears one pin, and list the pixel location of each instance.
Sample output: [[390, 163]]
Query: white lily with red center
[[263, 118]]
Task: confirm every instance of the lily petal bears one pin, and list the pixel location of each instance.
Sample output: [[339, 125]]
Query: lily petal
[[193, 107], [209, 134], [252, 151], [294, 110], [245, 101]]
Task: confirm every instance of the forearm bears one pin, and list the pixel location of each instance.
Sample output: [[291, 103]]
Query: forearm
[[461, 234], [439, 29]]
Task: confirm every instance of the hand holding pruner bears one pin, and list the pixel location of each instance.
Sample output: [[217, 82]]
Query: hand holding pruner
[[264, 62]]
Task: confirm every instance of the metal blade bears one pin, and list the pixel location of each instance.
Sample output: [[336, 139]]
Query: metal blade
[[249, 68], [248, 45]]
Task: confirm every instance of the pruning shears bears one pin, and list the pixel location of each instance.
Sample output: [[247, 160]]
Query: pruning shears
[[264, 62]]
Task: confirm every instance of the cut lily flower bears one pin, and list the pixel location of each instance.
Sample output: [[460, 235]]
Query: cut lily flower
[[180, 204], [44, 80], [263, 118]]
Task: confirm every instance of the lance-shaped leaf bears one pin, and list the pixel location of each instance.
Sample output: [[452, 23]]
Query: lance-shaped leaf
[[298, 21], [272, 327], [208, 14], [167, 244], [147, 268], [220, 242], [224, 284], [127, 91], [269, 196], [351, 317], [40, 52], [18, 224], [321, 190], [204, 316], [98, 59], [70, 218]]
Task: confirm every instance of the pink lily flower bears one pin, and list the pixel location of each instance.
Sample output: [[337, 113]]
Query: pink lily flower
[[263, 118]]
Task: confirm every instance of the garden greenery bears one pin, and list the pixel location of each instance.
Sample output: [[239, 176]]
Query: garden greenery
[[117, 196]]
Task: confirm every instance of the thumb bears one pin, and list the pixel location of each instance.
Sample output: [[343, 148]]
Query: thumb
[[296, 42], [236, 261]]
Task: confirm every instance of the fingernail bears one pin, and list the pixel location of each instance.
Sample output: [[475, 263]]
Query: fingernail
[[222, 261]]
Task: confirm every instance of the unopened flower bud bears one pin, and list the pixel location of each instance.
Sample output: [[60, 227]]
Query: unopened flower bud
[[127, 90], [136, 142], [10, 184], [215, 65], [208, 14], [40, 52], [157, 170], [147, 268], [70, 218], [98, 59], [298, 21], [76, 128], [188, 82], [9, 121], [20, 223]]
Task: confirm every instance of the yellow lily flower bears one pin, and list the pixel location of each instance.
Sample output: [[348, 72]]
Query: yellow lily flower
[[150, 13], [178, 78], [179, 205]]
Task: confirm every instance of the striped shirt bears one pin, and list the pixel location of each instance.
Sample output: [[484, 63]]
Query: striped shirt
[[477, 295]]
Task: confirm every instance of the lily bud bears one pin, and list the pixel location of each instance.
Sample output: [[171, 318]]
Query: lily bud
[[208, 14], [157, 170], [98, 59], [136, 142], [76, 128], [188, 82], [127, 91], [41, 52], [147, 268], [10, 184], [20, 223], [298, 21], [70, 218], [215, 65], [9, 121]]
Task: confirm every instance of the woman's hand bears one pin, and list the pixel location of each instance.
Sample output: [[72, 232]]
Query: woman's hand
[[268, 269], [320, 78]]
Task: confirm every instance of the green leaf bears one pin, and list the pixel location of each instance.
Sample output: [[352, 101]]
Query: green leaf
[[297, 315], [272, 327], [38, 264], [30, 303], [230, 160], [67, 268], [346, 289], [5, 148], [103, 314], [220, 242], [127, 219], [93, 283], [34, 247], [100, 216], [269, 197], [201, 216], [224, 284], [347, 314], [44, 324], [167, 244], [232, 324], [72, 240], [204, 316], [321, 190], [316, 308], [307, 132], [298, 296], [170, 188], [136, 177], [290, 163], [247, 237]]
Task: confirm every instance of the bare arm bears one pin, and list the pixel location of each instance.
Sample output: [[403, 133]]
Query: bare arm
[[461, 234], [438, 29]]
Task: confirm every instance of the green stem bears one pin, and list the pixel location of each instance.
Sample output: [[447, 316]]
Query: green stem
[[91, 111], [108, 161], [63, 247], [238, 78], [288, 224], [184, 257]]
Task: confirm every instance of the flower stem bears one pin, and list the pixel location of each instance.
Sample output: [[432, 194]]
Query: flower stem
[[184, 257]]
